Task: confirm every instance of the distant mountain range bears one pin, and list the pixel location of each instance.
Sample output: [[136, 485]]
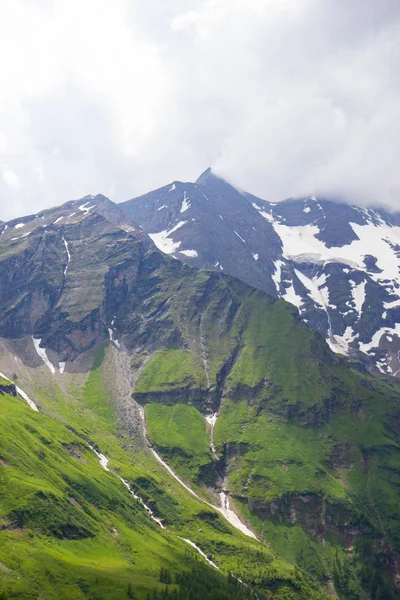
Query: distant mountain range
[[338, 264]]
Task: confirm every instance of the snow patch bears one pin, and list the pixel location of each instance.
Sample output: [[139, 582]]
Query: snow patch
[[162, 207], [162, 240], [26, 398], [340, 343], [112, 339], [185, 203], [301, 242], [232, 517], [103, 460], [68, 255], [313, 285], [19, 225], [211, 420], [291, 296], [42, 353], [393, 304], [20, 236], [277, 276], [23, 395], [376, 338], [190, 253], [267, 216], [255, 256], [172, 188], [239, 236], [358, 293], [85, 208], [61, 366], [307, 209], [210, 562]]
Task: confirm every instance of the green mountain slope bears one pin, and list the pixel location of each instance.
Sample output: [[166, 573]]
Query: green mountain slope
[[71, 529], [246, 404]]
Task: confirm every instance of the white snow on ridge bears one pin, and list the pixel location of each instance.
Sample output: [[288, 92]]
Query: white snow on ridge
[[172, 188], [210, 562], [358, 292], [23, 395], [85, 208], [68, 255], [319, 293], [313, 286], [162, 240], [42, 353], [20, 236], [277, 276], [262, 212], [340, 343], [185, 203], [27, 399], [19, 225], [111, 334], [232, 517], [239, 236], [393, 304], [190, 253], [211, 420], [291, 296], [376, 240], [376, 338]]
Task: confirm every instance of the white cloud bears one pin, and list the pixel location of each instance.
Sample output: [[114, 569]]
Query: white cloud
[[10, 178], [282, 97]]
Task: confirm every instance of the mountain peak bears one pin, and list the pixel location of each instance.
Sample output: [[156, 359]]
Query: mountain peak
[[206, 176]]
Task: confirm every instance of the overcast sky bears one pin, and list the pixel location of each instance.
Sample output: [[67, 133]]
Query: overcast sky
[[281, 97]]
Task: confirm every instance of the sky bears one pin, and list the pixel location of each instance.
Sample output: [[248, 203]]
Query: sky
[[281, 97]]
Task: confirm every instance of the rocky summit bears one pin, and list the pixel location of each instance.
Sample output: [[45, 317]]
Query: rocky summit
[[170, 431], [338, 264]]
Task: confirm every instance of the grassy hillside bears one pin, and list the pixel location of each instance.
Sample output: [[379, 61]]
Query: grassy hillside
[[310, 448], [70, 529]]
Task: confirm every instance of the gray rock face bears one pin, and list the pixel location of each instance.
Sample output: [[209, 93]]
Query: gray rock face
[[338, 264], [56, 268]]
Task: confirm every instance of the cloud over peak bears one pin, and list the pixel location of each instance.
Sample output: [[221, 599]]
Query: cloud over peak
[[281, 97]]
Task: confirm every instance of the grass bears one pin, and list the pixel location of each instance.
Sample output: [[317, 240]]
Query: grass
[[4, 382], [169, 369], [70, 529], [180, 432], [299, 431]]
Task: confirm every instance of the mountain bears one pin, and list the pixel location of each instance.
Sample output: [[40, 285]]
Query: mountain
[[164, 426], [338, 264]]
